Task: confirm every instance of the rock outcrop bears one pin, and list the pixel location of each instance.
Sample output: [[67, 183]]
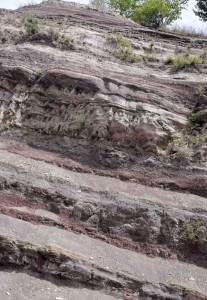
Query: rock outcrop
[[103, 154]]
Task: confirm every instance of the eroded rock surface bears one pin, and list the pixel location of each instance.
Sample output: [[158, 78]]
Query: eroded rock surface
[[103, 160], [87, 92]]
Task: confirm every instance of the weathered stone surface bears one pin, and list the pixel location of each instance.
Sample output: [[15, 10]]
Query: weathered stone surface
[[116, 208], [30, 285], [61, 254], [94, 98], [107, 158]]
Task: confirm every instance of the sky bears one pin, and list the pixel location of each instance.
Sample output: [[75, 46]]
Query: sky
[[13, 4], [188, 17]]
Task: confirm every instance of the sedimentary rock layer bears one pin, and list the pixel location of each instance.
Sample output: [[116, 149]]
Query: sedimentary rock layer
[[103, 159]]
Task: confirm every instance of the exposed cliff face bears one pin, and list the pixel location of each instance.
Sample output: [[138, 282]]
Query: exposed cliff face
[[85, 106], [128, 154], [87, 92]]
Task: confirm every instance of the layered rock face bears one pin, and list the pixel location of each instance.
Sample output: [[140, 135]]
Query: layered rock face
[[87, 92], [103, 154]]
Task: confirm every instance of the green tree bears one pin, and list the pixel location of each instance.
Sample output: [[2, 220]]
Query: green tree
[[152, 13], [123, 7], [201, 9], [157, 13]]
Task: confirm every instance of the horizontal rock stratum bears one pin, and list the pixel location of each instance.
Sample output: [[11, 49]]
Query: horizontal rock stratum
[[103, 158]]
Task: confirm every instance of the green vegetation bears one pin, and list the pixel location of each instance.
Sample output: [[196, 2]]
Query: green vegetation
[[26, 16], [201, 9], [25, 132], [183, 61], [193, 231], [150, 58], [151, 45], [126, 54], [61, 40], [186, 60], [192, 117], [53, 33], [151, 13], [157, 13], [199, 91], [5, 126], [122, 7], [188, 141], [186, 145], [169, 60], [119, 40], [38, 73], [67, 41], [182, 145], [31, 26], [78, 121], [124, 49]]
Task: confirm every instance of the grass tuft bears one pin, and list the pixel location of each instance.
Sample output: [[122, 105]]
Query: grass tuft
[[124, 49], [184, 61]]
